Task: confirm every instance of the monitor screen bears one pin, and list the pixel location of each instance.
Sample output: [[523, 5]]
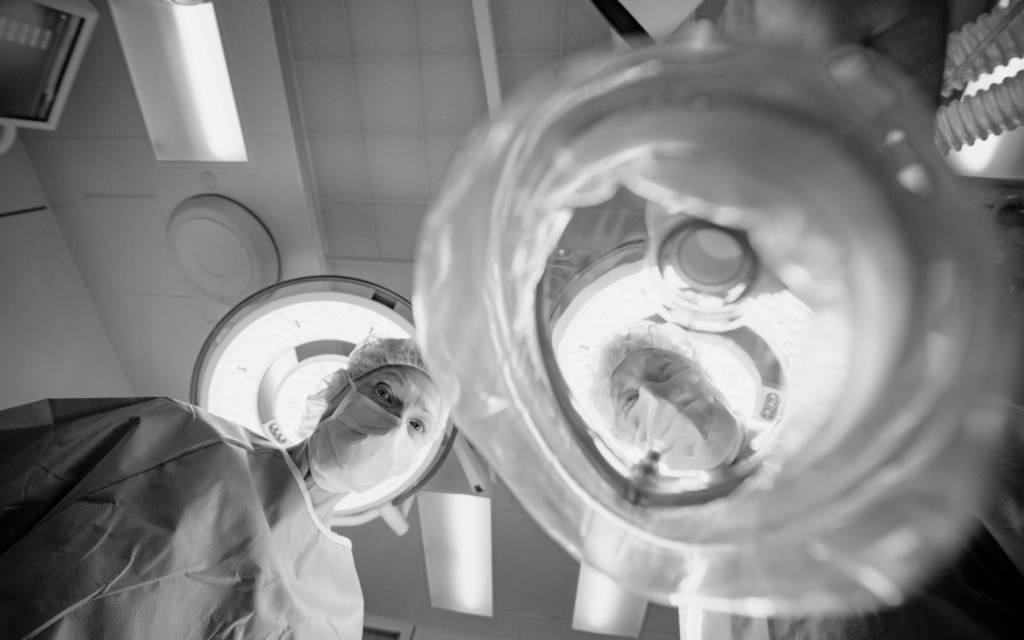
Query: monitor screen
[[36, 42]]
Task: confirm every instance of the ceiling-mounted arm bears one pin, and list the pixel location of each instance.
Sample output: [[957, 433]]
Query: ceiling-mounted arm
[[8, 134], [623, 23]]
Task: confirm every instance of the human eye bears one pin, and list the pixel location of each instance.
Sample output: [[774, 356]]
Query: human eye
[[418, 425], [383, 391]]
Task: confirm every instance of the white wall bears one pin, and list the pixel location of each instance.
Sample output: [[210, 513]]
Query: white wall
[[52, 343]]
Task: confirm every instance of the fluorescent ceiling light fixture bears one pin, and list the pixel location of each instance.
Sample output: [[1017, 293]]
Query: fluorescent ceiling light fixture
[[177, 64], [602, 606], [976, 158], [691, 622], [457, 545]]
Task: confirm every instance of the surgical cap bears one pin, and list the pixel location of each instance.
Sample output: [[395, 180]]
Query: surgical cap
[[617, 347], [373, 353]]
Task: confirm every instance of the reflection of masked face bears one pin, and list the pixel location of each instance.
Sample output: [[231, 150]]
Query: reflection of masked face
[[664, 401], [380, 423]]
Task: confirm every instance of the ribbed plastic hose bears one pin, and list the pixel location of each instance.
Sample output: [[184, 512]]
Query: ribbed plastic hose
[[980, 46], [999, 109]]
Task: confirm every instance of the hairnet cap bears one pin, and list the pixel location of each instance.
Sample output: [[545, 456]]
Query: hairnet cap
[[617, 347], [372, 354]]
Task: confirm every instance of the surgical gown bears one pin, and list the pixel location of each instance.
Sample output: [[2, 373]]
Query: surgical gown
[[149, 518]]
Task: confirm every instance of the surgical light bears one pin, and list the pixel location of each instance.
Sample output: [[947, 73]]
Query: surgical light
[[807, 190], [274, 350]]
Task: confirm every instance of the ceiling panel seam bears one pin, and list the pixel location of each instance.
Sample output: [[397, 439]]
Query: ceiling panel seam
[[423, 105], [362, 131], [311, 189]]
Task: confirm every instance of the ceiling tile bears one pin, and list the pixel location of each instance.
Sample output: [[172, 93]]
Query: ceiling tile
[[396, 167], [317, 29], [102, 101], [389, 95], [63, 180], [546, 585], [542, 628], [355, 269], [527, 26], [583, 27], [516, 70], [255, 68], [19, 188], [349, 229], [402, 555], [446, 27], [450, 478], [657, 635], [398, 225], [134, 233], [156, 339], [662, 619], [453, 94], [89, 252], [503, 624], [439, 153], [390, 604], [382, 27], [429, 633], [338, 167], [572, 634], [398, 278], [327, 93], [116, 166]]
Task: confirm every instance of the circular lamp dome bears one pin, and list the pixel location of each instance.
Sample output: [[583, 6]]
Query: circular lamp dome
[[758, 197], [274, 349]]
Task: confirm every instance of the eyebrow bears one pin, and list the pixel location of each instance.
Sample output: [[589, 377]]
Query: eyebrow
[[393, 377]]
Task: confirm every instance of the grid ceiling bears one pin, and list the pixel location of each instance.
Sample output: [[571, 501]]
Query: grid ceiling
[[386, 89]]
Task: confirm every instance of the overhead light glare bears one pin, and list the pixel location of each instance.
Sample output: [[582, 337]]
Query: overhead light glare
[[207, 73], [691, 619], [457, 546], [177, 64], [602, 606]]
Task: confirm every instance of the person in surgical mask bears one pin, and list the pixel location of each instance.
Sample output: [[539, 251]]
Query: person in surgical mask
[[369, 421], [151, 518], [654, 393]]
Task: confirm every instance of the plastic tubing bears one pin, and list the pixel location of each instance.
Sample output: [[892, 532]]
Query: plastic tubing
[[998, 109], [979, 47]]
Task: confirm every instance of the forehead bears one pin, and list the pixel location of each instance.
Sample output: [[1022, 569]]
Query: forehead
[[638, 365]]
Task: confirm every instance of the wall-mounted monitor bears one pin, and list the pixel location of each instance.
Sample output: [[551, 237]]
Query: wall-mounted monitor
[[42, 43]]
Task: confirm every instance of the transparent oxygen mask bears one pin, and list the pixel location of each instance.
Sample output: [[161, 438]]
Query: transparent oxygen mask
[[781, 228]]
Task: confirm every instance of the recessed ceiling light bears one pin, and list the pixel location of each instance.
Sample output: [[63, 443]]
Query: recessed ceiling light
[[177, 65], [457, 546]]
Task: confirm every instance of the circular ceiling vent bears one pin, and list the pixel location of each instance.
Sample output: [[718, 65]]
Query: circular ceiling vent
[[224, 250]]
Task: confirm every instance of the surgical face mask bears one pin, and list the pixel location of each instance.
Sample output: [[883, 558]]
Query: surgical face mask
[[359, 446], [684, 417]]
